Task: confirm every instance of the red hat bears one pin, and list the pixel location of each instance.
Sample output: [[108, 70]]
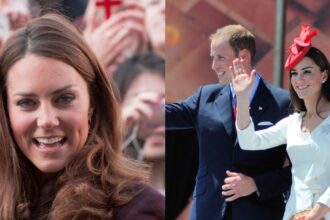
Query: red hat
[[300, 47]]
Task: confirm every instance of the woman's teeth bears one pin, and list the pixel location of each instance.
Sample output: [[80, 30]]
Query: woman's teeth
[[50, 141]]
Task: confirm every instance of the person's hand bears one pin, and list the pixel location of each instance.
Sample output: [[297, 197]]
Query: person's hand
[[138, 109], [116, 39], [318, 212], [155, 24], [18, 14], [13, 16], [237, 185], [17, 18], [242, 82]]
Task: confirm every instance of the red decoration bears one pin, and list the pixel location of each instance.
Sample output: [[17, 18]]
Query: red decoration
[[300, 47], [107, 4]]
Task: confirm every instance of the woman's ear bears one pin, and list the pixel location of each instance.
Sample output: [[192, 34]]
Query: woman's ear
[[325, 76]]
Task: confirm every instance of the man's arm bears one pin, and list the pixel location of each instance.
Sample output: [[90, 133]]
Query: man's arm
[[266, 185], [273, 183], [182, 115]]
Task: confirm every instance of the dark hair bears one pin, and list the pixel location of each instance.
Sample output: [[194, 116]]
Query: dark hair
[[135, 66], [98, 179], [321, 61]]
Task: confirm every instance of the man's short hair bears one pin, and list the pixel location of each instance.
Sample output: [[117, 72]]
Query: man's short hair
[[238, 37]]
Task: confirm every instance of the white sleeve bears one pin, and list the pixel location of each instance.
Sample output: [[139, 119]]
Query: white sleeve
[[325, 198], [249, 139]]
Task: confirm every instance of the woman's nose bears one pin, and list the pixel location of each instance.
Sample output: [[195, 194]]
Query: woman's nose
[[299, 77], [47, 117]]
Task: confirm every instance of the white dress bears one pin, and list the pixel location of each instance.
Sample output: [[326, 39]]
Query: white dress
[[309, 154]]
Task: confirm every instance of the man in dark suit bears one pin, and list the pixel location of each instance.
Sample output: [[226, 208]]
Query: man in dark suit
[[231, 183]]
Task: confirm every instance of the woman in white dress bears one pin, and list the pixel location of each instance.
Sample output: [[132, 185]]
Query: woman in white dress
[[306, 132]]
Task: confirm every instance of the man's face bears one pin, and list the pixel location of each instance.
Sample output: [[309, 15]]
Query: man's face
[[222, 57]]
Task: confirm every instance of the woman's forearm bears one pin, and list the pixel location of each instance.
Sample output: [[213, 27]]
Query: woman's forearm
[[243, 112]]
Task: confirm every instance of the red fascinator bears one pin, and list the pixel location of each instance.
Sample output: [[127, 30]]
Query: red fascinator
[[300, 47]]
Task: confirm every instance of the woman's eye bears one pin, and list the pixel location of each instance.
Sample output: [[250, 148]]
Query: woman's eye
[[307, 72], [65, 99], [294, 73], [26, 103]]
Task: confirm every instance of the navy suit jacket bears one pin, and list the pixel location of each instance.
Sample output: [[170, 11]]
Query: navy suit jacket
[[210, 112]]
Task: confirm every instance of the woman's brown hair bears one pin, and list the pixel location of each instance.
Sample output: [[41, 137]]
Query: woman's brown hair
[[98, 179]]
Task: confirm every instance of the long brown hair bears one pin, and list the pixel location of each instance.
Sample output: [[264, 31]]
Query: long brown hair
[[98, 179]]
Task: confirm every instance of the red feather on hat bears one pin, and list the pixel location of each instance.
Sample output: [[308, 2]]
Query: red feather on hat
[[300, 46]]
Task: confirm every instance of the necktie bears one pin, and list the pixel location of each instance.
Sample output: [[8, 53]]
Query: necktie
[[235, 107]]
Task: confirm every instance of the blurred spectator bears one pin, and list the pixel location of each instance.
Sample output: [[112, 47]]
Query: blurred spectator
[[141, 86], [13, 15], [74, 10], [118, 38], [155, 24]]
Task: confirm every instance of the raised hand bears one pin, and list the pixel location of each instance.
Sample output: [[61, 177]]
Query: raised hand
[[118, 38], [139, 109], [242, 82]]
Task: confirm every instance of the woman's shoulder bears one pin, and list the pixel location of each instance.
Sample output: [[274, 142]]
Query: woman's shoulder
[[295, 116], [291, 119], [147, 204]]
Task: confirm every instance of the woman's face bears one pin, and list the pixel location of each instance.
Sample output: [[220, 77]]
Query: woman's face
[[307, 79], [48, 105]]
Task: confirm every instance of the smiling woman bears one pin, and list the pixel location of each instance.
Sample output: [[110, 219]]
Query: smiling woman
[[60, 155], [48, 110], [306, 131]]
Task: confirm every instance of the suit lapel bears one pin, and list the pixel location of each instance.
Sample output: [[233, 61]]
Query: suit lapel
[[260, 101], [223, 104], [258, 106]]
